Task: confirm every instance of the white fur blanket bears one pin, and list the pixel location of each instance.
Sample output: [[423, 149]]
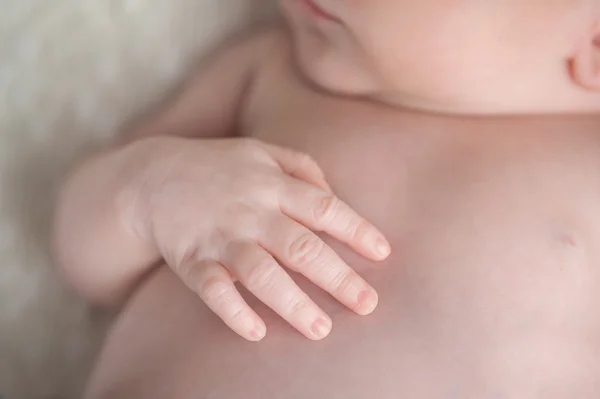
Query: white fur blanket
[[72, 72]]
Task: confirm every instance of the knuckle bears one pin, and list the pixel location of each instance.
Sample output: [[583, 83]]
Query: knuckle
[[265, 183], [261, 276], [297, 305], [221, 237], [238, 315], [358, 229], [187, 264], [325, 210], [214, 290], [304, 160], [343, 283], [250, 148], [305, 249], [239, 214]]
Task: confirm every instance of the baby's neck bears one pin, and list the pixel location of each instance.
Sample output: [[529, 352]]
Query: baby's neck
[[552, 92]]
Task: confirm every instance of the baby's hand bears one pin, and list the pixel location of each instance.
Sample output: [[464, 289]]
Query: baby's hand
[[235, 209]]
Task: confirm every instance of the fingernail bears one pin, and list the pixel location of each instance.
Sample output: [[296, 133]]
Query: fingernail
[[366, 302], [321, 328], [258, 333], [382, 247]]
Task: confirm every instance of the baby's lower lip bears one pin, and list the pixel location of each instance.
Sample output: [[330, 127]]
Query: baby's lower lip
[[319, 12]]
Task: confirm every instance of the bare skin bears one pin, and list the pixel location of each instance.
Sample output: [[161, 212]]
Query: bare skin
[[491, 291], [219, 211]]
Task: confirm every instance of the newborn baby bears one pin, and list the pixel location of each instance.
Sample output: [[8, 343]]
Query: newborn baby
[[420, 116]]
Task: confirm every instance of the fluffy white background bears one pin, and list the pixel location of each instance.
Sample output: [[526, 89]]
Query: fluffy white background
[[72, 72]]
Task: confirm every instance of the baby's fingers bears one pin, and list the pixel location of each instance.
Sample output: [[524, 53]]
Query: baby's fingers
[[214, 285], [323, 211], [304, 252], [260, 273]]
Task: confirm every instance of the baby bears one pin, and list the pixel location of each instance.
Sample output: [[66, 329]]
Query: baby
[[415, 115]]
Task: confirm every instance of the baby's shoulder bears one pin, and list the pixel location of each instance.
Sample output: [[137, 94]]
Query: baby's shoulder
[[275, 80], [249, 52]]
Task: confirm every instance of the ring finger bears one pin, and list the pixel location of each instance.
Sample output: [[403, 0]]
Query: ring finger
[[260, 273]]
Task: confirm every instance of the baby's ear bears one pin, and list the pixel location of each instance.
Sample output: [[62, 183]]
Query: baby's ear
[[585, 62]]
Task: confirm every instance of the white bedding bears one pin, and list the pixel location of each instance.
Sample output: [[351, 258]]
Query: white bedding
[[71, 73]]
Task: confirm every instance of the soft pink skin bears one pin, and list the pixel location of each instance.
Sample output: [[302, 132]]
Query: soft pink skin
[[491, 291], [454, 56], [492, 221], [217, 212], [174, 200]]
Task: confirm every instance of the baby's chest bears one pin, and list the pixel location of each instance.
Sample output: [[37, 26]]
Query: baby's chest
[[494, 235], [391, 164], [470, 196], [358, 146]]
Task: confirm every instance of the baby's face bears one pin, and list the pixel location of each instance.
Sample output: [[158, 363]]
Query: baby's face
[[445, 55]]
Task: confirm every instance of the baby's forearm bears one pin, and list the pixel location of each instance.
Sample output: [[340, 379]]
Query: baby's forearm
[[97, 249]]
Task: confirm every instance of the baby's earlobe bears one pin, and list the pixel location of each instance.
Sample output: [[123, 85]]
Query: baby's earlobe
[[585, 62]]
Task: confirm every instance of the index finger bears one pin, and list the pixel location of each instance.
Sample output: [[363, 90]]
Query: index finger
[[323, 211]]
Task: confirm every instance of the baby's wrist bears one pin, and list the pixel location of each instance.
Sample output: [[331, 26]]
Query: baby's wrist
[[143, 168]]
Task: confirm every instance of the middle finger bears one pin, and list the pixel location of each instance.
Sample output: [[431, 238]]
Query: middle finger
[[304, 252]]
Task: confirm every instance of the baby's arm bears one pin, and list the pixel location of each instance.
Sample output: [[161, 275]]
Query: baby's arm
[[214, 211], [96, 253]]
